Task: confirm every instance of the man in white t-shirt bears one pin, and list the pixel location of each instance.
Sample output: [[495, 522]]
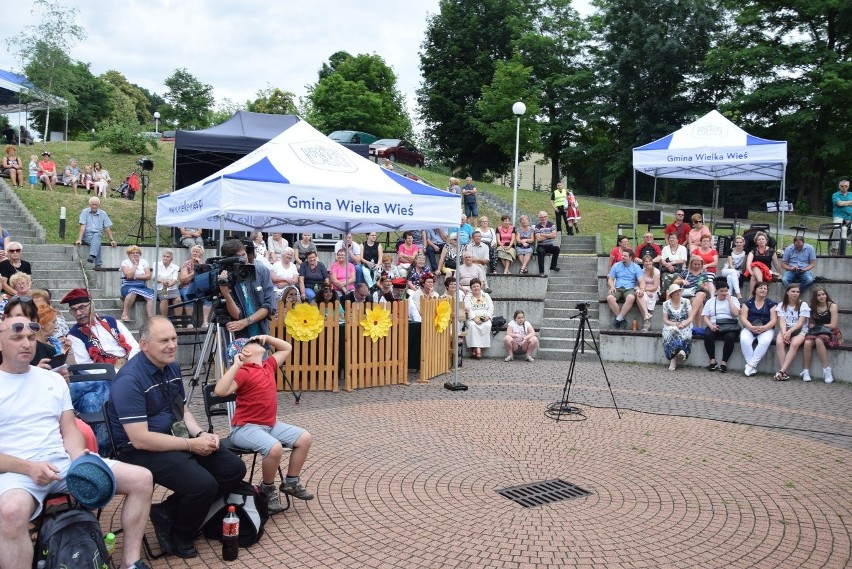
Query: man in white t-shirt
[[39, 439]]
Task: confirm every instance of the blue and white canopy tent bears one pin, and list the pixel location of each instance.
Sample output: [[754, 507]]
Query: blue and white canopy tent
[[712, 148], [18, 95], [302, 181]]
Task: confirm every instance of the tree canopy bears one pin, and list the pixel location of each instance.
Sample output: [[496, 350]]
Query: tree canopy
[[188, 101], [358, 93]]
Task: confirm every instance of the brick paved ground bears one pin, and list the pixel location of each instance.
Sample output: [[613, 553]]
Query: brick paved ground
[[405, 476]]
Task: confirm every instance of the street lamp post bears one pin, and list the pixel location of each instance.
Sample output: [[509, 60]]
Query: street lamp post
[[518, 109], [156, 121]]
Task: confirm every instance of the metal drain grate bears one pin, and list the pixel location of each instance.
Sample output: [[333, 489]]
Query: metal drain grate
[[543, 493]]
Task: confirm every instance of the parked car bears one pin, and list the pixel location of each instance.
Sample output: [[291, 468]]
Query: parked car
[[395, 149], [168, 136], [352, 137]]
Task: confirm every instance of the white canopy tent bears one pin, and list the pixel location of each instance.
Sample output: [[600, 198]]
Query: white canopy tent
[[302, 181], [19, 95], [712, 148]]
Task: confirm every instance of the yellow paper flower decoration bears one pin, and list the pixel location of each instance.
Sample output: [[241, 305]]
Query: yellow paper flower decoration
[[377, 323], [442, 316], [304, 322]]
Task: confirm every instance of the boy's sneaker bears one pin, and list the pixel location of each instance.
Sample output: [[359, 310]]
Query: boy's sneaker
[[806, 375], [826, 373], [273, 499], [296, 490]]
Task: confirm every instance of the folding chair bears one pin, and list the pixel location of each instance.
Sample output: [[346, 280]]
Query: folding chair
[[212, 404], [825, 232], [90, 386], [188, 336], [659, 231], [113, 453]]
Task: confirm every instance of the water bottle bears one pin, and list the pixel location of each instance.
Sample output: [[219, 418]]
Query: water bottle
[[230, 535], [109, 543]]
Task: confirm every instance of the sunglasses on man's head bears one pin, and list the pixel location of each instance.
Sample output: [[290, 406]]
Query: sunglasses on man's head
[[17, 298], [18, 327]]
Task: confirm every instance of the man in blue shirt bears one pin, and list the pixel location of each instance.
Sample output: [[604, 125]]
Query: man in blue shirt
[[841, 212], [93, 223], [152, 426], [626, 283], [465, 231], [798, 262]]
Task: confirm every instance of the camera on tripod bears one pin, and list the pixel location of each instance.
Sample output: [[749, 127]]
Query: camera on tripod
[[205, 283], [145, 163], [582, 307]]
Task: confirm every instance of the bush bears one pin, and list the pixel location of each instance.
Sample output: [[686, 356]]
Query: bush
[[122, 139]]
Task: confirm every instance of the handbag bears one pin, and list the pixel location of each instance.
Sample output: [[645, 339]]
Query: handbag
[[728, 325]]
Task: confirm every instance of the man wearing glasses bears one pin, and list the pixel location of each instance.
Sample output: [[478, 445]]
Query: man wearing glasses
[[679, 228], [13, 264], [34, 459], [97, 339]]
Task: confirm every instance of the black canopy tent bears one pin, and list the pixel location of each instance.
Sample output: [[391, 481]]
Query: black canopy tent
[[200, 153]]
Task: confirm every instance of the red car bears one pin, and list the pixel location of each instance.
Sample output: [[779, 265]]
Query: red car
[[397, 150]]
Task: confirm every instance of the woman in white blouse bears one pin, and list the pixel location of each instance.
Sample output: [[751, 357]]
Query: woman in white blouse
[[167, 282], [793, 315], [520, 336]]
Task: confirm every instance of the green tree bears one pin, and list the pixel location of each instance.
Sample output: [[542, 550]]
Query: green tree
[[790, 78], [360, 94], [494, 119], [45, 55], [563, 82], [273, 101], [88, 97], [189, 102], [136, 97], [336, 59], [648, 58]]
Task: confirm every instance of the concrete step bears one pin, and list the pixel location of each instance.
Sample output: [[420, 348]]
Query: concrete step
[[565, 303], [570, 295], [548, 331]]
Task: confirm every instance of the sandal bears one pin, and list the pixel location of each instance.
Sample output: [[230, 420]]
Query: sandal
[[125, 318], [781, 376], [523, 272]]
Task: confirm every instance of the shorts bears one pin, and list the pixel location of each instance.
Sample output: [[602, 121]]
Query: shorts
[[623, 293], [471, 209], [15, 481], [261, 439], [33, 179]]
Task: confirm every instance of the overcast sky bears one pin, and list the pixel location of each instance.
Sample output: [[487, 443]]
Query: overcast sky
[[239, 47]]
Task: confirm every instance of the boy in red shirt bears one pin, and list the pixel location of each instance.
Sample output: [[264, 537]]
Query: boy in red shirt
[[255, 425]]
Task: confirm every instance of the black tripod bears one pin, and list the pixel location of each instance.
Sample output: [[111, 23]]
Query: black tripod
[[563, 407], [138, 229]]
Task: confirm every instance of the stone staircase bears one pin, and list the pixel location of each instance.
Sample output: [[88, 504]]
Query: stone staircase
[[575, 283], [56, 268], [17, 219]]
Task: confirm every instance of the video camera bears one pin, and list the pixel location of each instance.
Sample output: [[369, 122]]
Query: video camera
[[205, 283], [145, 163], [582, 306]]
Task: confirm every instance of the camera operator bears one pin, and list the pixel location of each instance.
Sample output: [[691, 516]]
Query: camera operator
[[249, 303]]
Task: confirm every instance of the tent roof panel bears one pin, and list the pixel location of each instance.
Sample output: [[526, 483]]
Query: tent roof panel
[[242, 133]]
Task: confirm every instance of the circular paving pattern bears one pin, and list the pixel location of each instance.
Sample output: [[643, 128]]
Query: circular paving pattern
[[413, 485], [405, 476]]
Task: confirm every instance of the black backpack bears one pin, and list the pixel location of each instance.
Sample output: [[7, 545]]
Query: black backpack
[[72, 540], [251, 508]]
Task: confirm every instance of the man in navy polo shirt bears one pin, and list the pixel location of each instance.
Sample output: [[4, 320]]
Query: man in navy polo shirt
[[152, 426]]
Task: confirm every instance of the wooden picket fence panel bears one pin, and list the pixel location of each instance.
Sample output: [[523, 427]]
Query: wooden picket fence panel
[[373, 364], [433, 345], [314, 365]]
